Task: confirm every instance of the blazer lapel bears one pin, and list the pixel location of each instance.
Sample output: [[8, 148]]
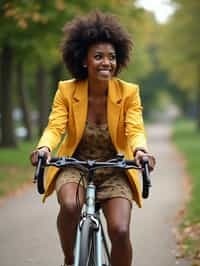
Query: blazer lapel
[[79, 107], [114, 107]]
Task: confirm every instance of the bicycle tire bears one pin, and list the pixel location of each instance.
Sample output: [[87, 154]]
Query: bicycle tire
[[87, 244]]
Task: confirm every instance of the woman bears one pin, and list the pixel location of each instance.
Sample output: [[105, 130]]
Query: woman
[[101, 115]]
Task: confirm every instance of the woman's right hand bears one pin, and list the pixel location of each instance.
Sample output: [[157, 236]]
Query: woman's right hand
[[41, 151]]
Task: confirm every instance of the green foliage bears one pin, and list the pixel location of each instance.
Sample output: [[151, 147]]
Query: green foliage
[[34, 29], [180, 50], [180, 54], [151, 77]]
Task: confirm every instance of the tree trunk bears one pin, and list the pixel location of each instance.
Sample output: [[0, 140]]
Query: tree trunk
[[198, 109], [7, 126], [198, 99], [23, 100], [56, 74], [43, 97]]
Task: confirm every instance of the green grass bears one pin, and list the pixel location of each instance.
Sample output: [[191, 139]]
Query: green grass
[[187, 138], [15, 168]]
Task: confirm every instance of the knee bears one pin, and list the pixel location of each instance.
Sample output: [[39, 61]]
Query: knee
[[68, 206], [67, 201], [118, 233]]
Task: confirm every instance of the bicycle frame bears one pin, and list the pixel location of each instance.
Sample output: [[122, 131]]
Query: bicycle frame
[[89, 210]]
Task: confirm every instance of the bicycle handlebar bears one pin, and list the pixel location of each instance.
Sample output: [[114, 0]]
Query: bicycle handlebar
[[91, 165]]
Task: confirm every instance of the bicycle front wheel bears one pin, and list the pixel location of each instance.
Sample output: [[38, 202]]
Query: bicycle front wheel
[[87, 244]]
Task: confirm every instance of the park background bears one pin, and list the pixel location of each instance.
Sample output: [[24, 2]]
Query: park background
[[165, 63]]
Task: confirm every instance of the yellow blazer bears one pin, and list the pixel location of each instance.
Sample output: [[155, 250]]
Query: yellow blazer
[[69, 114]]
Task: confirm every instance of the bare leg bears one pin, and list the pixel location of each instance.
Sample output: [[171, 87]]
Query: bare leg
[[117, 212], [68, 218]]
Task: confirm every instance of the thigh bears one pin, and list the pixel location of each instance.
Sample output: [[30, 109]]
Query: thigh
[[117, 212]]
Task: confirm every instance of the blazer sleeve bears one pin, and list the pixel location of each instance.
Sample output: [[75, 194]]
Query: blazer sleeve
[[57, 123], [134, 125]]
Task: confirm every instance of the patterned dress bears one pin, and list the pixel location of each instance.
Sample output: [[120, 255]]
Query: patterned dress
[[96, 144]]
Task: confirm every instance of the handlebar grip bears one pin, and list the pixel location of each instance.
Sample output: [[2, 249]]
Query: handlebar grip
[[37, 170], [146, 179], [39, 173]]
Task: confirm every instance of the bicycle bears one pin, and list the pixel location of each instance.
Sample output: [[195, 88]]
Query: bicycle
[[91, 247]]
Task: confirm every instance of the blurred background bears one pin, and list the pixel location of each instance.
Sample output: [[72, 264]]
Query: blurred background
[[165, 63]]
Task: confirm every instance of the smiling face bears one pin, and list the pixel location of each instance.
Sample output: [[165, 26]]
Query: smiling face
[[101, 62]]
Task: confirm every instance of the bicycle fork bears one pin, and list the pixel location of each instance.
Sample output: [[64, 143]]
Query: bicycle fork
[[89, 211], [97, 239]]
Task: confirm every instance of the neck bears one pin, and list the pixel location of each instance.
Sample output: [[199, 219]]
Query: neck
[[97, 89]]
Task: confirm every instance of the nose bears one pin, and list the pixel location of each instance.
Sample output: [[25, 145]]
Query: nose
[[106, 61]]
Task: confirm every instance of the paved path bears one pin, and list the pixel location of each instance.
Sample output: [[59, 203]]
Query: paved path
[[153, 224], [28, 229]]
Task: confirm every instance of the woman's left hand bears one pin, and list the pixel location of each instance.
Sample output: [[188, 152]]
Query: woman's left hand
[[139, 155]]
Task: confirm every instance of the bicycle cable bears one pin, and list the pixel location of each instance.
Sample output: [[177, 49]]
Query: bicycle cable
[[82, 175]]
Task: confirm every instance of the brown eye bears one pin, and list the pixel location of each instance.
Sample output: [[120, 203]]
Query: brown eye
[[97, 57], [112, 57]]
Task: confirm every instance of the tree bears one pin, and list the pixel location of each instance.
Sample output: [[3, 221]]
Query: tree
[[23, 98], [180, 50], [8, 136], [33, 30], [26, 28]]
